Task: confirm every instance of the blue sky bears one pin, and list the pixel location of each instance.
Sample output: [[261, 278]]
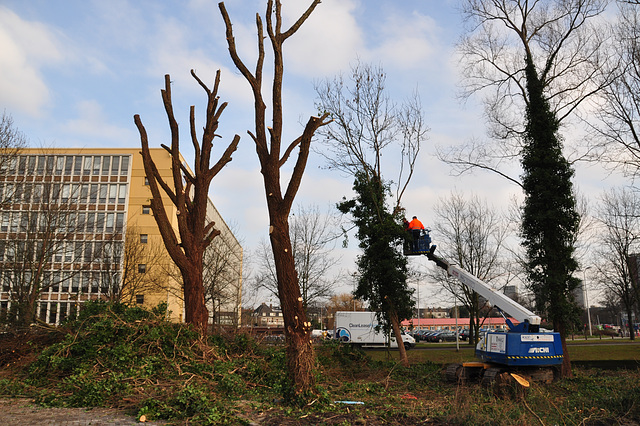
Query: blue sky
[[74, 72]]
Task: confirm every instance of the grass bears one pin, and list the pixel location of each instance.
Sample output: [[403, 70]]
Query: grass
[[136, 361], [578, 351]]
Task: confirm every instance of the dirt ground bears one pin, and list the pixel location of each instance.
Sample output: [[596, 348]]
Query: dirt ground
[[21, 411]]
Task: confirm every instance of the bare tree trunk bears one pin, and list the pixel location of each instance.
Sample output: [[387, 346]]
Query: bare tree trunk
[[566, 360], [194, 297], [395, 325], [300, 353], [189, 194]]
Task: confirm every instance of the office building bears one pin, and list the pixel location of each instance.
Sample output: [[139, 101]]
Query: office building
[[76, 225]]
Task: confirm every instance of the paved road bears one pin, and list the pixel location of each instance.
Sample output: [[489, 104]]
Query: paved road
[[21, 411]]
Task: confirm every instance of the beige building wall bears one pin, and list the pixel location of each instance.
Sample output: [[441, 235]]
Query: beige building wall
[[138, 214]]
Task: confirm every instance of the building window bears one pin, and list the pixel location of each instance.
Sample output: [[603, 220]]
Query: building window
[[139, 299], [144, 238], [84, 193], [122, 194], [102, 198], [96, 165], [124, 166], [100, 223], [22, 164], [77, 165], [113, 193], [86, 168], [146, 209], [115, 165], [41, 163], [106, 161], [142, 268], [93, 193], [91, 222], [110, 222], [119, 221], [68, 165], [31, 165], [146, 181]]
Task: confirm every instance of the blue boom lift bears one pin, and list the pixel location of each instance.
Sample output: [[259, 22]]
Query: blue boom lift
[[523, 352]]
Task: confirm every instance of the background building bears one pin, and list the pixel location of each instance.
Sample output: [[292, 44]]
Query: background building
[[76, 225]]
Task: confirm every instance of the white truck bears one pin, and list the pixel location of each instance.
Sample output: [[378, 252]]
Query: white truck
[[359, 328]]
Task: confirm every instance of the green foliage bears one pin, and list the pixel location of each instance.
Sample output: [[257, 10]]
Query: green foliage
[[382, 268], [132, 341], [167, 372], [549, 218], [112, 352], [346, 356], [191, 402]]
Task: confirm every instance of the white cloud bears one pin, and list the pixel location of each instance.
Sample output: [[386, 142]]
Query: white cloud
[[170, 52], [409, 42], [92, 125], [327, 42], [25, 47]]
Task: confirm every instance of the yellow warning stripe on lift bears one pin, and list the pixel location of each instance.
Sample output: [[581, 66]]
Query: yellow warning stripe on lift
[[535, 357]]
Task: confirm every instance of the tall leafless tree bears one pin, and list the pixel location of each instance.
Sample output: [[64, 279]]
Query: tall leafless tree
[[188, 192], [617, 108], [273, 153], [12, 141], [45, 247], [619, 214], [137, 267], [472, 235], [223, 277], [564, 43], [367, 124]]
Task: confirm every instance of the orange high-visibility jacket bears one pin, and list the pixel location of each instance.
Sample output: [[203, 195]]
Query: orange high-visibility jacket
[[416, 224]]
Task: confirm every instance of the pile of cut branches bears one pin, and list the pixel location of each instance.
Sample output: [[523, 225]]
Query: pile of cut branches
[[112, 355]]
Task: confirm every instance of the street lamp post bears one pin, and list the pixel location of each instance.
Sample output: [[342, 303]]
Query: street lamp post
[[586, 297]]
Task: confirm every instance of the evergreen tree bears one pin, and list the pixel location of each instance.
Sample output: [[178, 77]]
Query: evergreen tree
[[382, 268], [549, 220]]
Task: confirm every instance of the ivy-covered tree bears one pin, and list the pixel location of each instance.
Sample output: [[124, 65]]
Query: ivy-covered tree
[[549, 217], [382, 268], [367, 127]]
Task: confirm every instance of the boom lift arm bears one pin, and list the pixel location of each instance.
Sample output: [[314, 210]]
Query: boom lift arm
[[522, 350], [529, 322]]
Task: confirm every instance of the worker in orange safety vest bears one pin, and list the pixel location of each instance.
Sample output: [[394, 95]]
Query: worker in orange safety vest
[[416, 227]]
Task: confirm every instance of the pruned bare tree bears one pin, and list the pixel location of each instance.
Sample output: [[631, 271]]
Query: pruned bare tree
[[273, 153], [189, 193]]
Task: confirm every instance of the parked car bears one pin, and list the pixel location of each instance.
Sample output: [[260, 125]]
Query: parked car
[[447, 336], [416, 334], [464, 334], [433, 336], [422, 335]]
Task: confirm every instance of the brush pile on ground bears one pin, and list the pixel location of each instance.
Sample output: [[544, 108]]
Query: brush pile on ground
[[130, 358], [134, 360]]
